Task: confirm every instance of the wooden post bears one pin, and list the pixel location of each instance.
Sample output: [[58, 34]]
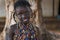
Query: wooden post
[[9, 12]]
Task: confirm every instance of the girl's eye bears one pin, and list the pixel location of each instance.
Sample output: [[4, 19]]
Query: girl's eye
[[19, 13]]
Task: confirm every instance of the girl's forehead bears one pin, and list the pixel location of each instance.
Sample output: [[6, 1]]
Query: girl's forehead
[[23, 10], [20, 8]]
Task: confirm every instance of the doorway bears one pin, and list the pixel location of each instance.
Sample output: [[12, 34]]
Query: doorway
[[59, 8]]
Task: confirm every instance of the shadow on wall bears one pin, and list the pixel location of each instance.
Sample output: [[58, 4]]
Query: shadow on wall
[[2, 23], [2, 15]]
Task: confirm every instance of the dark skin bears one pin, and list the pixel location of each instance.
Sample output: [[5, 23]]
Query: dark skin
[[23, 15]]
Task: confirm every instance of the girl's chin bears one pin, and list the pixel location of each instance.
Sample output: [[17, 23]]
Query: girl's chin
[[25, 23]]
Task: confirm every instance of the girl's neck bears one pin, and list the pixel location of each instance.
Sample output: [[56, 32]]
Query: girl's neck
[[24, 24]]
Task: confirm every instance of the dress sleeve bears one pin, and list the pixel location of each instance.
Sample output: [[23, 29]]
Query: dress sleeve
[[37, 32], [11, 33]]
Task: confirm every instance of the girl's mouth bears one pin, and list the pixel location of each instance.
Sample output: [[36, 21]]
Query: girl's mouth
[[25, 20]]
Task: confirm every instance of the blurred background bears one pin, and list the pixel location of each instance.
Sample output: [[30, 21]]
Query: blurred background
[[50, 12], [2, 14]]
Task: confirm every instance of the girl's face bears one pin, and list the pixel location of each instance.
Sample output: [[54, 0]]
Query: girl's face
[[23, 14]]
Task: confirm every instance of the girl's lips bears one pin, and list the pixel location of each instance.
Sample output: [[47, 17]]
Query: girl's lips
[[25, 19]]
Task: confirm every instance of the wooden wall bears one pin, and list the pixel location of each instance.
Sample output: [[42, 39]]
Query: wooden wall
[[47, 8], [2, 8]]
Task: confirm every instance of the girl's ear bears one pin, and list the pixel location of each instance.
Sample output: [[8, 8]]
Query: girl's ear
[[16, 19], [34, 14], [31, 14], [32, 18]]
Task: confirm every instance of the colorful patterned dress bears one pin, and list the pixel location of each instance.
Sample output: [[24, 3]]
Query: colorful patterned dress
[[25, 33]]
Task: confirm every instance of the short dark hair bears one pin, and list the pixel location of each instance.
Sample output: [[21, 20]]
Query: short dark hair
[[22, 3]]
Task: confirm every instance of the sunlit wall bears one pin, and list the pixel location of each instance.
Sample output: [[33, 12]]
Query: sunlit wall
[[2, 8]]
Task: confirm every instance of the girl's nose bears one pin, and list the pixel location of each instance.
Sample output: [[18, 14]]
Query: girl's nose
[[22, 16]]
